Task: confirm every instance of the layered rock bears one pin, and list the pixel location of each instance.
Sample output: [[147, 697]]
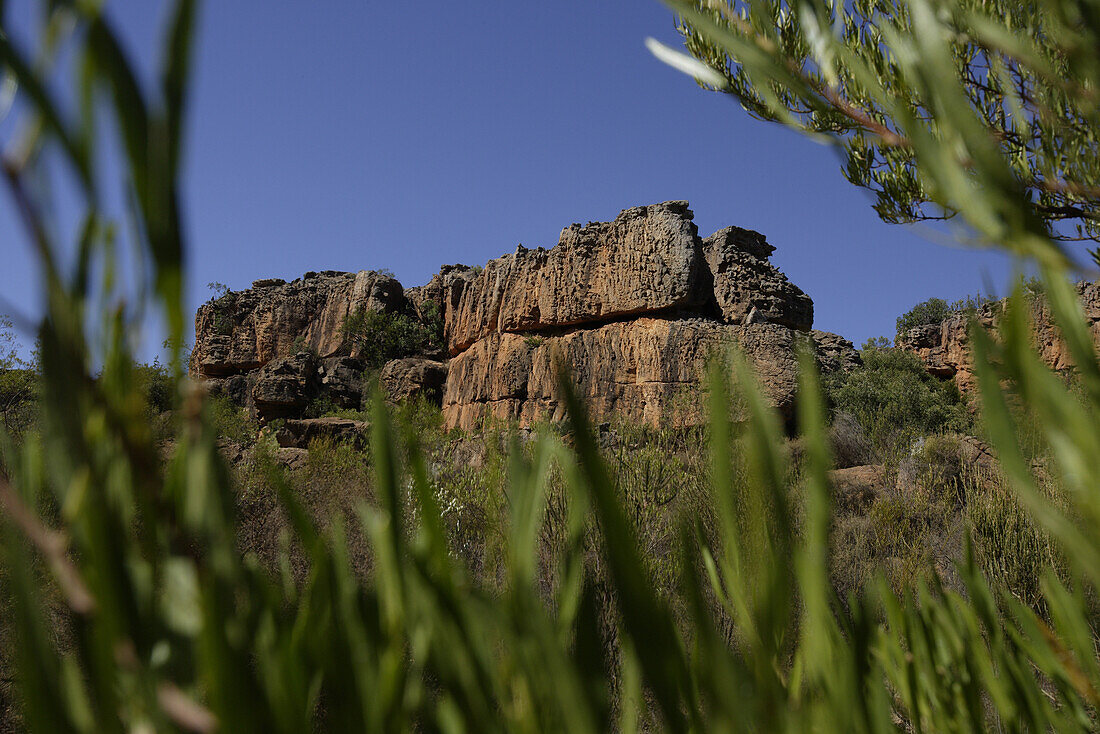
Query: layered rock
[[646, 260], [635, 307], [650, 259], [945, 347], [647, 370]]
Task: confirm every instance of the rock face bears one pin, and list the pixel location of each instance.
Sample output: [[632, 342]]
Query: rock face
[[285, 386], [635, 308], [646, 370], [242, 331], [945, 347]]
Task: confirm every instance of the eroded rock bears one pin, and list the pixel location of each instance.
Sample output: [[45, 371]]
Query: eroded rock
[[646, 260], [244, 330], [647, 370], [834, 352], [746, 288], [634, 306], [285, 386]]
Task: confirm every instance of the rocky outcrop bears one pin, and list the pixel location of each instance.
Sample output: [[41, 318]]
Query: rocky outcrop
[[834, 352], [286, 386], [634, 307], [244, 330], [945, 347], [646, 260]]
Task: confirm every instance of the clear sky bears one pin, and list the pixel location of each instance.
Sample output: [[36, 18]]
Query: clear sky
[[352, 134]]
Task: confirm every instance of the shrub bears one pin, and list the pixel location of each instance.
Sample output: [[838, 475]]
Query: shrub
[[932, 311], [849, 441], [18, 383], [380, 336], [157, 384], [228, 420], [895, 400]]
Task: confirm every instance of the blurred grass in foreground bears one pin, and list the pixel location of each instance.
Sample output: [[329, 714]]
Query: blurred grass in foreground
[[133, 610]]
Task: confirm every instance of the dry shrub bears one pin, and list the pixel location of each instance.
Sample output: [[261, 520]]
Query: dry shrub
[[849, 442]]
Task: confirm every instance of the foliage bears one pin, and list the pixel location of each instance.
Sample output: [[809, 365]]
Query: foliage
[[928, 101], [1010, 547], [156, 382], [380, 336], [133, 609], [229, 420], [18, 383], [876, 342], [936, 310], [896, 401], [219, 290], [932, 311]]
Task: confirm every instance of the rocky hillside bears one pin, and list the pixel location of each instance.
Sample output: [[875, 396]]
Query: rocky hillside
[[945, 346], [635, 307]]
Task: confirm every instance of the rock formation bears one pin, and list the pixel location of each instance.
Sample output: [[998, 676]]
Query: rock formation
[[945, 347], [634, 307]]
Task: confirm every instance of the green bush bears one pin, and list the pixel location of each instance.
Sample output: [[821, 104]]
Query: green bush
[[155, 381], [896, 401], [932, 311], [19, 384], [228, 420], [379, 336]]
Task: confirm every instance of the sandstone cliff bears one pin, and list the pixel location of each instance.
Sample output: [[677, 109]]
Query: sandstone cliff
[[635, 307], [945, 347]]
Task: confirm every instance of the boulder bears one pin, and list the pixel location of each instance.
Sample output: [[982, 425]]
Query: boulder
[[414, 377], [285, 386], [647, 370], [745, 287], [855, 488], [342, 381], [299, 434], [292, 458], [834, 352], [236, 388]]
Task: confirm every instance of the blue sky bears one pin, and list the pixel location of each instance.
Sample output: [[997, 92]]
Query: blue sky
[[351, 134]]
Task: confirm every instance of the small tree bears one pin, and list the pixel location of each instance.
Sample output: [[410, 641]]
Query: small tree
[[932, 311], [380, 336], [987, 109], [220, 290]]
